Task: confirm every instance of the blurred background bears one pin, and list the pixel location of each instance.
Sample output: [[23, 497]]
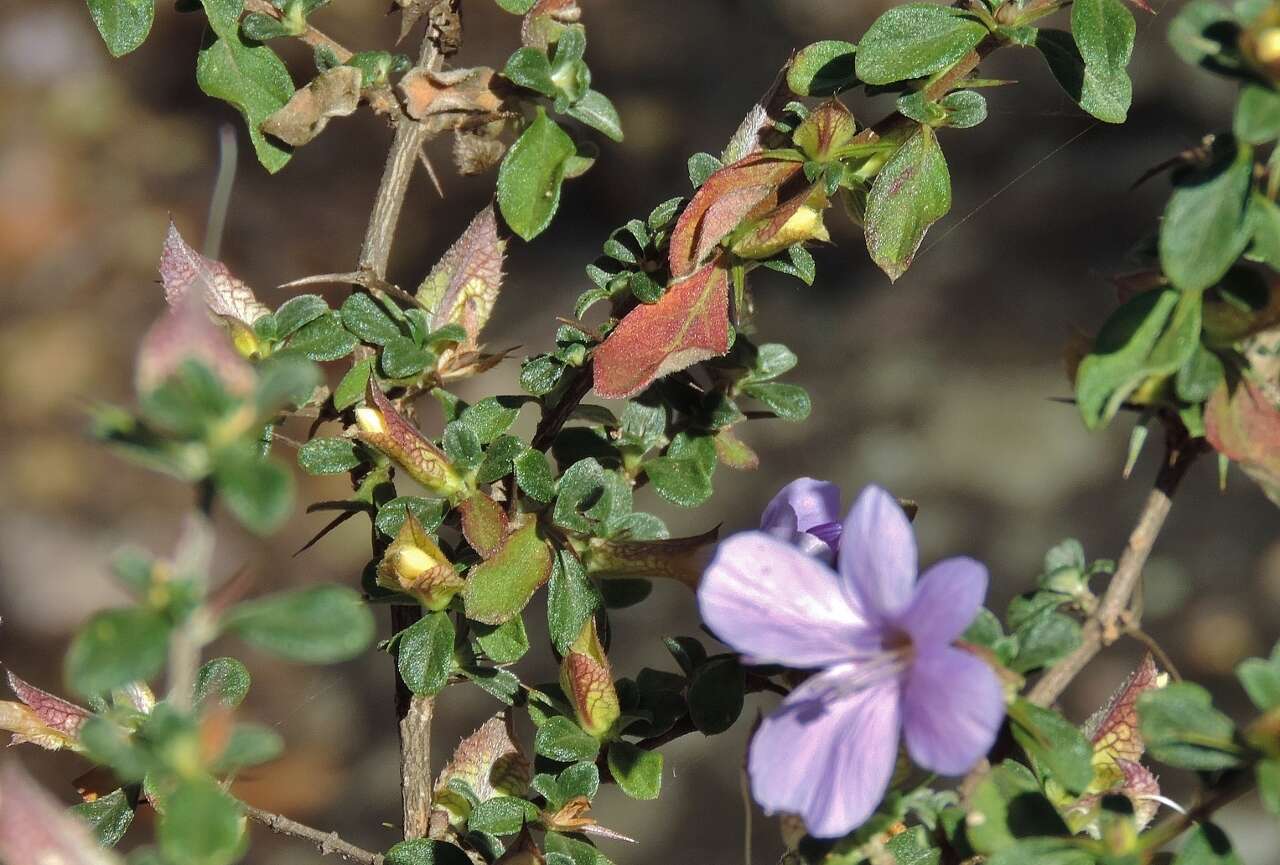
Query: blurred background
[[939, 386]]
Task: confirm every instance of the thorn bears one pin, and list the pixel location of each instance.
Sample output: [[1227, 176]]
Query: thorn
[[333, 524], [1137, 439], [431, 172], [1224, 463]]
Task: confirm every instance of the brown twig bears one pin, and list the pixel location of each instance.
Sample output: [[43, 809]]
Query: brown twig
[[1112, 617], [413, 713], [555, 418], [328, 843]]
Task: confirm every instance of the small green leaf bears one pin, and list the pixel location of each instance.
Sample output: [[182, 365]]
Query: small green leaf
[[1010, 805], [531, 174], [421, 851], [201, 825], [124, 24], [1044, 640], [491, 417], [353, 385], [429, 512], [1104, 31], [248, 745], [716, 693], [462, 446], [1055, 746], [1205, 229], [533, 474], [530, 68], [516, 7], [257, 489], [362, 315], [1104, 91], [702, 166], [914, 41], [965, 108], [223, 679], [1182, 729], [298, 311], [117, 647], [680, 481], [1205, 33], [1260, 678], [1257, 119], [254, 80], [1044, 851], [502, 815], [910, 193], [637, 771], [1200, 376], [788, 401], [424, 654], [403, 358], [560, 739], [823, 68], [319, 625], [597, 111], [328, 456], [324, 338], [499, 587], [1269, 784], [502, 644], [571, 600], [108, 816]]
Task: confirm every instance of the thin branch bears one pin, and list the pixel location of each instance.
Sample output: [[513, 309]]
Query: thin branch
[[413, 713], [328, 843], [1113, 617], [555, 418]]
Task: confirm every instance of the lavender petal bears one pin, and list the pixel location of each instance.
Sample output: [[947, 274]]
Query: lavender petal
[[947, 599], [952, 708], [878, 553]]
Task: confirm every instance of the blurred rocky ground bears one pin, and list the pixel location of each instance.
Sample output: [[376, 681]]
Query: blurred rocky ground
[[940, 386]]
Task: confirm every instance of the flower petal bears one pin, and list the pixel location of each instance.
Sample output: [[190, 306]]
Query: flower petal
[[769, 600], [827, 758], [947, 600], [803, 504], [952, 708], [878, 553]]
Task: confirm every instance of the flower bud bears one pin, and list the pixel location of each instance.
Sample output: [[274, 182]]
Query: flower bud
[[414, 565], [41, 718], [587, 680], [384, 428], [682, 559]]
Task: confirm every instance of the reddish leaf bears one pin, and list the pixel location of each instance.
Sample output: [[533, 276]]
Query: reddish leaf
[[490, 761], [184, 333], [1113, 729], [484, 523], [690, 323], [463, 287], [542, 23], [828, 127], [36, 828], [727, 197], [1243, 425], [182, 270], [57, 714]]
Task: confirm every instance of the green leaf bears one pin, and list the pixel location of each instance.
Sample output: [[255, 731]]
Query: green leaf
[[328, 456], [429, 512], [1055, 746], [108, 816], [533, 474], [462, 446], [580, 487], [1044, 640], [1200, 376], [1260, 679], [257, 489], [124, 24], [500, 587], [1103, 91], [1257, 118], [363, 316], [424, 654], [421, 851], [1104, 31], [1044, 851], [597, 111], [298, 311], [516, 7], [354, 384], [717, 689], [255, 81], [490, 417], [702, 166], [1205, 33], [502, 685], [324, 338], [563, 850], [571, 600], [914, 41], [539, 375], [965, 108], [1181, 728], [319, 625], [910, 193], [788, 401], [1269, 784], [201, 825], [680, 481], [559, 738], [248, 745], [223, 679], [1010, 805], [1150, 336], [502, 815], [502, 644], [1207, 845], [823, 68], [531, 174], [403, 358], [117, 647], [637, 771], [1205, 229], [530, 68]]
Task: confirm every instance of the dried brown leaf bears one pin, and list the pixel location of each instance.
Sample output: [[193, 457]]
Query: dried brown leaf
[[334, 93]]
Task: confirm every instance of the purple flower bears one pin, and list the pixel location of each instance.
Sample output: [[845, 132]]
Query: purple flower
[[806, 513], [881, 642]]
